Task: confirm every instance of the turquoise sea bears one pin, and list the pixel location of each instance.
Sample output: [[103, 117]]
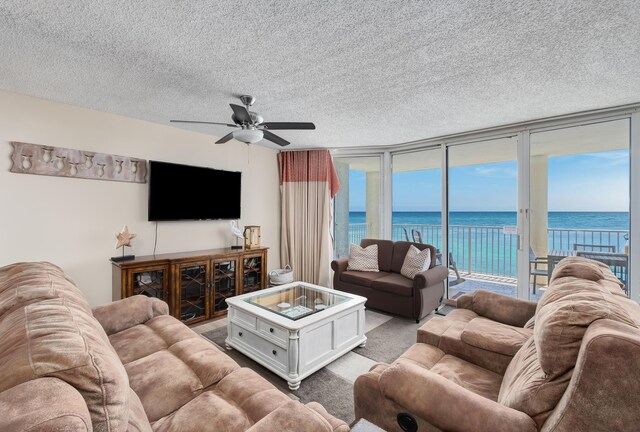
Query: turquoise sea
[[572, 220], [480, 244]]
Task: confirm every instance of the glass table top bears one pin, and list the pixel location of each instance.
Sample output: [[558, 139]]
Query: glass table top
[[297, 301]]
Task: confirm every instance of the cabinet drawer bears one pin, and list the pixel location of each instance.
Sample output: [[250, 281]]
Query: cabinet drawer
[[244, 319], [273, 331], [264, 350]]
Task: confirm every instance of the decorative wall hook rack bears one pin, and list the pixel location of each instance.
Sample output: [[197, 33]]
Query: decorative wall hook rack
[[64, 162]]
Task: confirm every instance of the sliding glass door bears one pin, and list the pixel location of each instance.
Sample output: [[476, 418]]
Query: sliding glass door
[[579, 198], [482, 216]]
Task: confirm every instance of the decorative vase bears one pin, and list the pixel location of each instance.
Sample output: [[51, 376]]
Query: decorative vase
[[46, 157], [118, 166], [74, 168], [26, 162], [100, 170], [60, 162], [88, 161]]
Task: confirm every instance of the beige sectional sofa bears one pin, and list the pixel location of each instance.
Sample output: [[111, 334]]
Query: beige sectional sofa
[[570, 363], [127, 366]]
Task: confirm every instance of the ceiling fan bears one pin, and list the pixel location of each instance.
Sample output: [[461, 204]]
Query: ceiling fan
[[251, 127]]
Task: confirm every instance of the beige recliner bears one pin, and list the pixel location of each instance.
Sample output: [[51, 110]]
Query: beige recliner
[[495, 365]]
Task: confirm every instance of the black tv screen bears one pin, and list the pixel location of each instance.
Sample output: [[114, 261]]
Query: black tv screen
[[183, 192]]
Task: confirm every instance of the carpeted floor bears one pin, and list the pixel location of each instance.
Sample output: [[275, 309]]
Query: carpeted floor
[[388, 341], [332, 386]]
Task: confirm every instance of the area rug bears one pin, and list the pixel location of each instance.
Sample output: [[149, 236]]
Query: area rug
[[385, 343], [388, 341]]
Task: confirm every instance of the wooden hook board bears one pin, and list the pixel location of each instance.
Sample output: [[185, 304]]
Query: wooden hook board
[[64, 162]]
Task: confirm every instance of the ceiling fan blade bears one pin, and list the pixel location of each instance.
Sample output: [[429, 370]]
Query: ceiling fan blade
[[275, 138], [202, 122], [225, 138], [288, 125], [241, 114]]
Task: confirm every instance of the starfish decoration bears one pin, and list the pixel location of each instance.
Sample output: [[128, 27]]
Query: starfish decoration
[[124, 237]]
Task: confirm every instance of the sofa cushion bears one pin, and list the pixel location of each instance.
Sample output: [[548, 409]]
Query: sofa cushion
[[363, 259], [233, 404], [579, 268], [415, 261], [394, 283], [446, 334], [564, 313], [525, 387], [361, 278], [465, 374], [28, 407], [138, 421], [385, 252], [400, 249], [170, 377], [494, 336]]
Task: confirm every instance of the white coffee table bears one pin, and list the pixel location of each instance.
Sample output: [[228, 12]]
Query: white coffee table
[[295, 329]]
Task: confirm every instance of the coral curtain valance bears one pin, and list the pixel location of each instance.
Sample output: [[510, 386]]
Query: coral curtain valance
[[308, 182], [309, 166]]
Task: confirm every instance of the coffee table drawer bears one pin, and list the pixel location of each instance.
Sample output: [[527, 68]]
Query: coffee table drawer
[[267, 351], [273, 331], [245, 319]]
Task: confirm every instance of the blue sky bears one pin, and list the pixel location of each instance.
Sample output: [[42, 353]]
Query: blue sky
[[588, 182]]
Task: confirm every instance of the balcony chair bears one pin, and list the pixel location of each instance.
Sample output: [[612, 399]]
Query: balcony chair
[[406, 234], [534, 270], [417, 238]]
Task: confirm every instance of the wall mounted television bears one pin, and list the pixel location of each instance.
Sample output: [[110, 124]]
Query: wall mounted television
[[183, 192]]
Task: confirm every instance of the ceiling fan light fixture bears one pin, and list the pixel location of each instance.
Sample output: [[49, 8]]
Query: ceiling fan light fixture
[[248, 136]]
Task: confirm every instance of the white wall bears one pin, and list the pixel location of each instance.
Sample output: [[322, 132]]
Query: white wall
[[71, 222]]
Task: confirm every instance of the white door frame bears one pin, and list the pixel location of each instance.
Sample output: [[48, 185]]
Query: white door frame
[[524, 212]]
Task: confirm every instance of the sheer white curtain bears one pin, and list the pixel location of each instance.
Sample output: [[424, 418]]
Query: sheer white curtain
[[308, 183]]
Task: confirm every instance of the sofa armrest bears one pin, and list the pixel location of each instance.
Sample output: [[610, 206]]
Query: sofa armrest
[[430, 277], [294, 417], [337, 424], [340, 265], [43, 404], [128, 312], [497, 307], [447, 405]]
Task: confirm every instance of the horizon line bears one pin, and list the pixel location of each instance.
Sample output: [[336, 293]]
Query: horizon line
[[497, 211]]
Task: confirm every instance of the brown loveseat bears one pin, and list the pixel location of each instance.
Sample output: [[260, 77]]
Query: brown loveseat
[[387, 290], [569, 364], [127, 366]]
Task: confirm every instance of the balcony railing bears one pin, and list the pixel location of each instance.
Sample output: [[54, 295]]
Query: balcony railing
[[487, 249]]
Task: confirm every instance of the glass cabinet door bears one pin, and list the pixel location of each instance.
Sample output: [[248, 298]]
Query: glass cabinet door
[[193, 291], [151, 282], [224, 284], [252, 273]]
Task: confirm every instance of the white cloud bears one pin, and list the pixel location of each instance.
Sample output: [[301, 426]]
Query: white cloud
[[496, 172]]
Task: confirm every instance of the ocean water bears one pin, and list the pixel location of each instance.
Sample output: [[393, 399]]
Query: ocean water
[[480, 244], [569, 220]]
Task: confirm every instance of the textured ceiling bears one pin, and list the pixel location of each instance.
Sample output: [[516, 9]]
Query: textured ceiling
[[366, 72]]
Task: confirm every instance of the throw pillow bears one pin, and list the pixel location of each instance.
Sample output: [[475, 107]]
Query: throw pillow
[[415, 261], [363, 259]]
